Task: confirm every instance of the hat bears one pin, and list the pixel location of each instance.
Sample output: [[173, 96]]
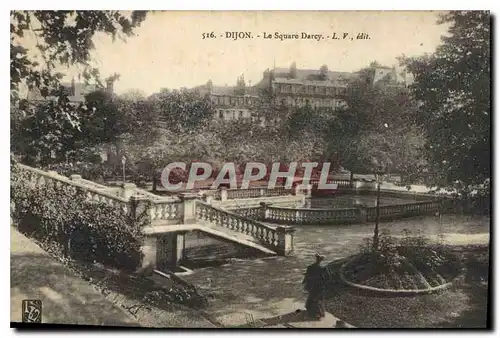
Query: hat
[[319, 257]]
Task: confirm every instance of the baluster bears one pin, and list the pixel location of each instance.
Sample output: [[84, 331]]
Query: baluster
[[171, 210], [252, 229], [274, 238], [159, 212], [267, 238], [152, 212], [231, 223]]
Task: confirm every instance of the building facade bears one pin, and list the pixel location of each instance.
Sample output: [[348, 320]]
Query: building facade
[[288, 88], [292, 87], [231, 102]]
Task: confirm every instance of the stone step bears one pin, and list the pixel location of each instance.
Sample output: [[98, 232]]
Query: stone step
[[292, 315]]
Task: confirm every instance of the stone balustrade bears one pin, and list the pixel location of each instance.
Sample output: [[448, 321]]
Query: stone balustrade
[[404, 210], [279, 239], [160, 208], [283, 215], [256, 192], [312, 216], [340, 183], [37, 177], [253, 213], [166, 210], [88, 183]]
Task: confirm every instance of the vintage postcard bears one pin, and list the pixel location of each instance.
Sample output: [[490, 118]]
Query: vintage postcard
[[250, 169]]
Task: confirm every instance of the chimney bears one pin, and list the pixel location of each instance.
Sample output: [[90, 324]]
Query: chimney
[[109, 86]]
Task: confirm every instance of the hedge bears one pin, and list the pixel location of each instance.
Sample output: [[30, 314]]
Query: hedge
[[84, 230]]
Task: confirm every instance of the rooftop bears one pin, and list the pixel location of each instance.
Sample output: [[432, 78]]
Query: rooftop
[[311, 74]]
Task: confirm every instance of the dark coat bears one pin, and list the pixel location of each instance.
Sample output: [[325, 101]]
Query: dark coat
[[314, 280]]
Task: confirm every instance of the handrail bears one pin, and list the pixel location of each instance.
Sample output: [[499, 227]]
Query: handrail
[[156, 198], [68, 181], [234, 214], [264, 233]]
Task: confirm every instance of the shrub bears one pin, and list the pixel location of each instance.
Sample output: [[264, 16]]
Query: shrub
[[403, 260], [85, 230]]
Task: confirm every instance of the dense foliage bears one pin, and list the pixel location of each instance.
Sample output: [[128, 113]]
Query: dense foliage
[[84, 230], [41, 42], [453, 89], [403, 264]]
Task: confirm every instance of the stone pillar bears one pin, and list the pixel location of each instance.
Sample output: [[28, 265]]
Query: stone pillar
[[128, 190], [209, 199], [170, 250], [55, 173], [263, 213], [262, 192], [308, 190], [285, 240], [223, 194], [138, 204], [149, 248], [189, 207], [75, 177]]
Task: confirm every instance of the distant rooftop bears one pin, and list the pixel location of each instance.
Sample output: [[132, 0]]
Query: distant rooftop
[[77, 94], [311, 74]]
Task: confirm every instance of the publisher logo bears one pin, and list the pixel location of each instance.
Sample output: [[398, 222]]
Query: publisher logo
[[32, 311]]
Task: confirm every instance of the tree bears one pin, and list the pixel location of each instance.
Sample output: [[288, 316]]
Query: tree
[[64, 38], [52, 129], [134, 95], [293, 70], [240, 86], [374, 109], [452, 87], [182, 110], [323, 72], [101, 122]]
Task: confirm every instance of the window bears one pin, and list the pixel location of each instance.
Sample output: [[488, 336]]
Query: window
[[241, 114], [221, 114]]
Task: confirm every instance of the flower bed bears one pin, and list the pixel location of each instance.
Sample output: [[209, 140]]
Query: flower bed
[[402, 267]]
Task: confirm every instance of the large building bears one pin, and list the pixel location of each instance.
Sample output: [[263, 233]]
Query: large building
[[288, 88], [292, 87], [231, 102]]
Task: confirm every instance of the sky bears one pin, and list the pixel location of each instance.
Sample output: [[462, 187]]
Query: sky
[[168, 50]]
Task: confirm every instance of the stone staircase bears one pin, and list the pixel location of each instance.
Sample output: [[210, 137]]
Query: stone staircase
[[212, 230], [175, 216]]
